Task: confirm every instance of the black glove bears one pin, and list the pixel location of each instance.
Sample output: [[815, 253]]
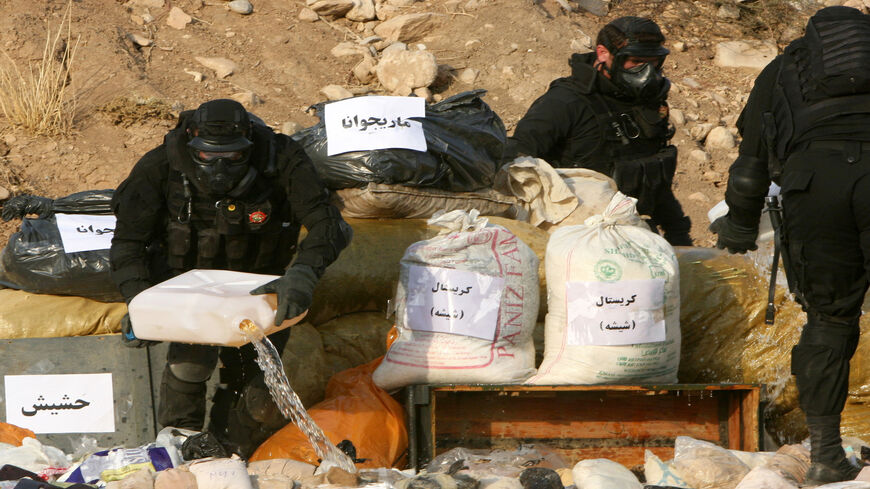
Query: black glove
[[130, 339], [294, 291], [737, 238], [22, 205]]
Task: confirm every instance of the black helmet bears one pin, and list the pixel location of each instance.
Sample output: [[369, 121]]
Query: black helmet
[[638, 37], [219, 143]]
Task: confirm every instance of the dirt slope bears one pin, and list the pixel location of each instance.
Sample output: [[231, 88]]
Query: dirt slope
[[127, 94]]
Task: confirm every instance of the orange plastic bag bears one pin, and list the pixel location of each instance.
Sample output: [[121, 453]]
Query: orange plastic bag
[[11, 434], [354, 409]]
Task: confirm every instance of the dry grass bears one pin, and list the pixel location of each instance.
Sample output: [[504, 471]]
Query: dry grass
[[38, 99]]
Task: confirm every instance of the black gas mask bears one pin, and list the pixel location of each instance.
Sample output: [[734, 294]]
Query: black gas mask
[[644, 80], [219, 143]]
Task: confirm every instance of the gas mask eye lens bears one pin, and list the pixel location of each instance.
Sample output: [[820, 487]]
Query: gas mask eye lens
[[212, 156]]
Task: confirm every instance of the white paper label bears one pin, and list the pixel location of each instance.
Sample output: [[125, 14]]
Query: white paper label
[[84, 232], [67, 403], [444, 300], [627, 312], [376, 122]]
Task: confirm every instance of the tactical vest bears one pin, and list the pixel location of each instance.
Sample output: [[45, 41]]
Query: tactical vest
[[633, 148], [823, 76], [254, 232]]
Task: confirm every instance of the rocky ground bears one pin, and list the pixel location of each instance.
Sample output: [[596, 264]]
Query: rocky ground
[[138, 63]]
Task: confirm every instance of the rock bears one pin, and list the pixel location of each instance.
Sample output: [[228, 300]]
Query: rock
[[197, 76], [409, 27], [332, 8], [308, 15], [362, 11], [595, 7], [857, 4], [679, 46], [139, 40], [719, 138], [677, 117], [243, 7], [4, 148], [400, 3], [424, 93], [722, 101], [289, 128], [248, 99], [396, 46], [147, 3], [364, 71], [222, 67], [712, 176], [347, 48], [137, 19], [342, 478], [369, 40], [698, 156], [699, 197], [744, 54], [4, 193], [579, 45], [386, 12], [468, 75], [335, 92], [728, 11], [691, 82], [177, 19], [403, 71], [700, 131], [147, 18]]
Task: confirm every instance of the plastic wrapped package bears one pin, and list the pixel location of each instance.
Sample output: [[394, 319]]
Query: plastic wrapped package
[[13, 435], [660, 473], [600, 473], [26, 315], [34, 259], [221, 473], [379, 201], [118, 463], [437, 343], [764, 478], [33, 456], [465, 142], [483, 463], [354, 409], [725, 339], [704, 465]]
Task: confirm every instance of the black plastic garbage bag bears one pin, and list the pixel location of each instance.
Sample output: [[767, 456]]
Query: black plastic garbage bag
[[465, 141], [34, 259]]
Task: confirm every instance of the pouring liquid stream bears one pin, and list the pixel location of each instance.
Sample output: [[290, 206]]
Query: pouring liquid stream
[[286, 399]]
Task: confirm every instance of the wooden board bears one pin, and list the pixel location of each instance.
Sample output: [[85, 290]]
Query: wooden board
[[581, 422]]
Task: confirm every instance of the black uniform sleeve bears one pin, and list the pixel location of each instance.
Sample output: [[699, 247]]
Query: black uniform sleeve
[[748, 179], [547, 125], [328, 233], [139, 205], [668, 213]]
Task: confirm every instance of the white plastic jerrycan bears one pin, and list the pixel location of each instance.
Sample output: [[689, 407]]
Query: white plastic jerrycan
[[205, 306]]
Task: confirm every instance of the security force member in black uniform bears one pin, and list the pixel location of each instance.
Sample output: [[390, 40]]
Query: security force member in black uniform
[[806, 126], [611, 116], [224, 192]]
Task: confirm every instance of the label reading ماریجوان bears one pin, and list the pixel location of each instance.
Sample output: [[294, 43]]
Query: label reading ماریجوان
[[627, 312], [445, 300], [375, 122]]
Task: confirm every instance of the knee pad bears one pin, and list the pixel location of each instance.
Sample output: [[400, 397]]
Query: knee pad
[[191, 372]]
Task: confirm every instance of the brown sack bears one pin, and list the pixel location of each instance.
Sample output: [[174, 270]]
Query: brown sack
[[26, 315], [379, 200], [354, 339]]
